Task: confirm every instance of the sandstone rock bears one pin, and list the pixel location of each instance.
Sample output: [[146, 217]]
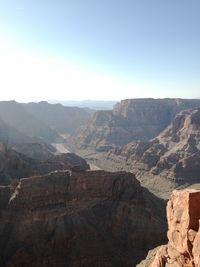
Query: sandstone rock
[[196, 248], [149, 258], [183, 214], [160, 257]]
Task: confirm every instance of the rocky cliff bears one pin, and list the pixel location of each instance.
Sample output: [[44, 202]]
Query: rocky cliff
[[78, 219], [39, 151], [14, 165], [173, 155], [183, 248], [131, 119]]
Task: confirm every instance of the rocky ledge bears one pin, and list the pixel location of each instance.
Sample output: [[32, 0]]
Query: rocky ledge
[[183, 248], [78, 219], [15, 165]]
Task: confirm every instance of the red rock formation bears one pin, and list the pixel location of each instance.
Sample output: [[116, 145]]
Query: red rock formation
[[183, 248]]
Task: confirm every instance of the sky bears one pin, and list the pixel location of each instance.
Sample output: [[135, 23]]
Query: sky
[[99, 49]]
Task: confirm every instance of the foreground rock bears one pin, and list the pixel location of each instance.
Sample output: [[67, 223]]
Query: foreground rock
[[78, 219], [183, 248]]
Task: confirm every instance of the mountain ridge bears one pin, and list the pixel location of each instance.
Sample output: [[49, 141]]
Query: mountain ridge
[[131, 119]]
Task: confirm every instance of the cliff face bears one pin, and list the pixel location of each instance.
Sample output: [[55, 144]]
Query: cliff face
[[78, 219], [132, 119], [183, 215], [14, 165], [39, 151], [170, 160], [175, 153]]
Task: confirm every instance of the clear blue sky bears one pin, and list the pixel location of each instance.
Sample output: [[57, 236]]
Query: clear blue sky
[[99, 49]]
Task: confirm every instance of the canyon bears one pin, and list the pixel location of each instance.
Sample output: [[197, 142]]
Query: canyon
[[163, 163], [38, 122], [15, 165], [129, 120], [55, 211]]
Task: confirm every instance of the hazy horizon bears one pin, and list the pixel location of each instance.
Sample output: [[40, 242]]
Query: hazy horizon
[[99, 50], [61, 101]]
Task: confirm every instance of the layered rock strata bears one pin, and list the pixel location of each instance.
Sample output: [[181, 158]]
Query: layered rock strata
[[130, 120], [78, 219], [170, 160], [14, 165]]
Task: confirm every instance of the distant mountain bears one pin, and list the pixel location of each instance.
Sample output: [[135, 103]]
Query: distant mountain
[[23, 124], [92, 104], [34, 122], [58, 117], [129, 120], [9, 134]]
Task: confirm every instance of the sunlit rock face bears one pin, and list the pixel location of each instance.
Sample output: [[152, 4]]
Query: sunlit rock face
[[166, 162], [78, 219], [129, 120], [183, 248], [175, 151]]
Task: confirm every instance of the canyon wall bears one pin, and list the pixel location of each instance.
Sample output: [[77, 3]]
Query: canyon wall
[[130, 120], [78, 219]]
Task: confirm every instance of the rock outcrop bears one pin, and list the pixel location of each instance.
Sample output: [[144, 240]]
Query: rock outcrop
[[14, 165], [39, 151], [170, 160], [183, 248], [78, 219], [130, 120]]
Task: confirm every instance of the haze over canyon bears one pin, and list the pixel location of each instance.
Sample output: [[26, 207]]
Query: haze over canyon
[[83, 187]]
